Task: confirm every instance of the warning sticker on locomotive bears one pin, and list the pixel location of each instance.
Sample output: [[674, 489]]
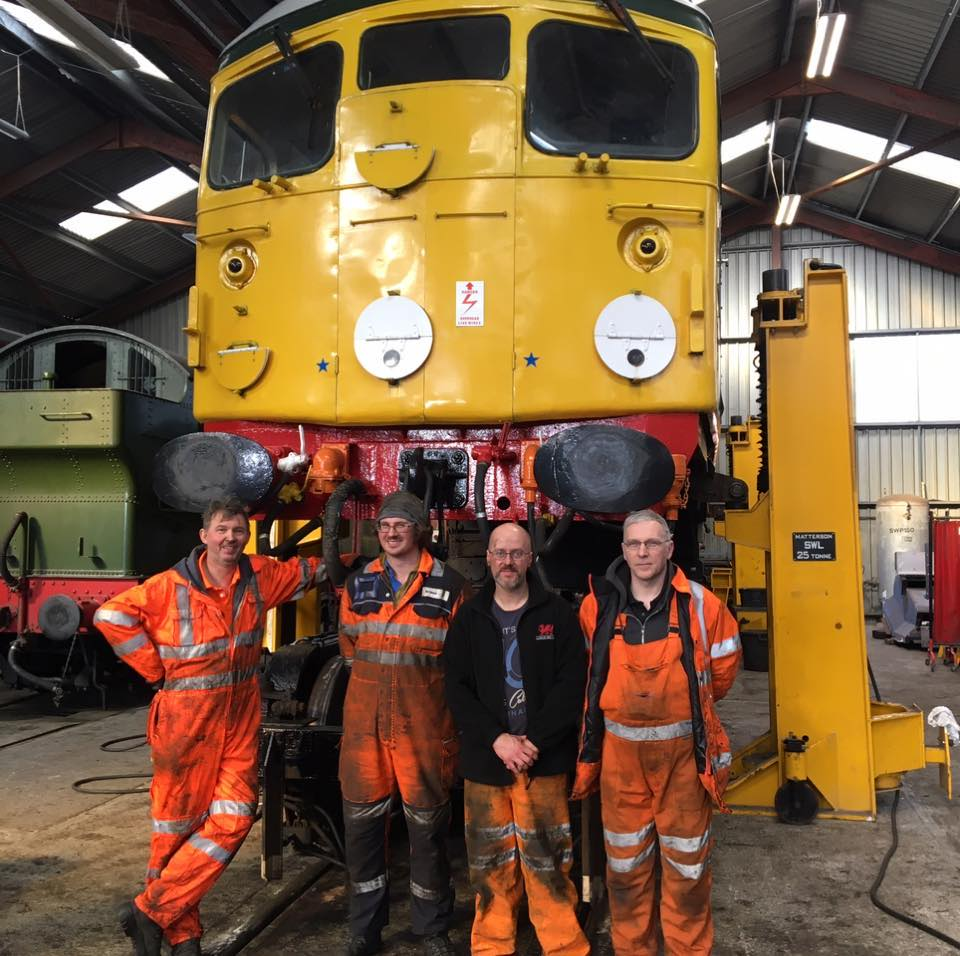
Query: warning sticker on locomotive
[[814, 546], [469, 308]]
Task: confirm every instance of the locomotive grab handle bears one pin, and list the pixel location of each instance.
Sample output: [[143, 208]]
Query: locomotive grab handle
[[262, 227], [14, 583], [653, 207], [66, 416]]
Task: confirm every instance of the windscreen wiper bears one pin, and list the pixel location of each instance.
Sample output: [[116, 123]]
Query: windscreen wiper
[[282, 39], [616, 8]]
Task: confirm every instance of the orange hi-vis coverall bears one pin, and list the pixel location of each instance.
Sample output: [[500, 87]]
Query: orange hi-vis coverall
[[397, 735], [653, 738], [203, 726]]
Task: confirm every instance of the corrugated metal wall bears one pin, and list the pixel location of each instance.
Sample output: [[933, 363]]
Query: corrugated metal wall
[[162, 325], [886, 294]]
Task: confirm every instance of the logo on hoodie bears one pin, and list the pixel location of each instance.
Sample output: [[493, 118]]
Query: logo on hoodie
[[545, 632]]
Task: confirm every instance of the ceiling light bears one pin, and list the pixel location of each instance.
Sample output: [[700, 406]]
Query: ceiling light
[[787, 210], [158, 190], [13, 131], [826, 42], [88, 38]]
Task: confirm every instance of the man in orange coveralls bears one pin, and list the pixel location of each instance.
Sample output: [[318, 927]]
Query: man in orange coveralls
[[397, 731], [196, 630], [663, 649]]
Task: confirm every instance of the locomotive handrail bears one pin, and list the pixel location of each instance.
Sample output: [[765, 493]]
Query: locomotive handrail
[[653, 207], [66, 416], [261, 227], [12, 582]]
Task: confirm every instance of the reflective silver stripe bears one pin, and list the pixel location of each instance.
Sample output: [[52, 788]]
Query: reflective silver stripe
[[255, 587], [438, 568], [696, 592], [368, 886], [183, 825], [249, 638], [212, 849], [685, 844], [115, 617], [232, 808], [704, 678], [350, 630], [364, 811], [614, 838], [211, 681], [130, 645], [666, 732], [189, 652], [395, 657], [631, 862], [558, 832], [722, 760], [392, 629], [730, 646], [424, 894], [321, 573], [543, 863], [306, 579], [492, 861], [689, 871], [186, 618], [425, 818], [493, 833], [153, 873]]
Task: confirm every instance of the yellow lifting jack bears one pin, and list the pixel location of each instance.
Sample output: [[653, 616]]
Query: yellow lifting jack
[[829, 748]]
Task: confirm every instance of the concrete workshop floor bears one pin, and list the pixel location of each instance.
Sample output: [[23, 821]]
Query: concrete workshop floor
[[67, 859]]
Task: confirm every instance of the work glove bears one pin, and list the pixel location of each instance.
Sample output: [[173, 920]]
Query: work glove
[[586, 781]]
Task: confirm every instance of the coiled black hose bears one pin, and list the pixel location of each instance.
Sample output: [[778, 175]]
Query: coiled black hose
[[12, 582], [337, 571], [47, 683], [548, 545]]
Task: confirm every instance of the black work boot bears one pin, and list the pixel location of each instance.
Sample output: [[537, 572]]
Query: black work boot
[[146, 935], [438, 945], [189, 947], [362, 946]]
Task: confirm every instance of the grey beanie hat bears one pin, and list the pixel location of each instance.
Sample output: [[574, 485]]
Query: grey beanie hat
[[403, 504]]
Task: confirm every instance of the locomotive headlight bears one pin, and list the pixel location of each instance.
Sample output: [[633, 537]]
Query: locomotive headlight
[[645, 245], [238, 265]]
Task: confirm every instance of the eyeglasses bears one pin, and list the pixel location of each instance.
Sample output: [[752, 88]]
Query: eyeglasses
[[501, 555], [653, 544], [385, 527]]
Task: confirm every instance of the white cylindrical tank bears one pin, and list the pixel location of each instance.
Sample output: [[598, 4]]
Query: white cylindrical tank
[[902, 525]]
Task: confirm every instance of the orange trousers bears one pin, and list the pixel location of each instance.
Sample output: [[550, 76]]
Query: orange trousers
[[519, 836], [203, 797], [654, 806]]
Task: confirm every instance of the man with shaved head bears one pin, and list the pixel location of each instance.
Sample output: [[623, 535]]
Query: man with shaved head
[[515, 667]]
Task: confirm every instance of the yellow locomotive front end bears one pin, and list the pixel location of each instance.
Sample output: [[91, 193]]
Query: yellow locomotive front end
[[434, 241], [405, 151]]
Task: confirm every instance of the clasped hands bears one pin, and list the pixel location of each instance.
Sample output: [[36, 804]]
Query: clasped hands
[[517, 753]]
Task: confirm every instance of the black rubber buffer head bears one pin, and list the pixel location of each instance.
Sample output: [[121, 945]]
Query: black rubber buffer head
[[604, 468], [192, 470]]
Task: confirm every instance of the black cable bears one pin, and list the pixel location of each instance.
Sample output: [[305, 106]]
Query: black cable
[[873, 680], [107, 745], [874, 898], [79, 785]]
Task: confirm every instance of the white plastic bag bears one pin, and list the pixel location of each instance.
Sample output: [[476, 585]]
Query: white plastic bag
[[943, 717]]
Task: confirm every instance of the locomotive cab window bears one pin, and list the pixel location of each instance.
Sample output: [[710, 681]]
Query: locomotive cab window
[[427, 51], [278, 121], [595, 90]]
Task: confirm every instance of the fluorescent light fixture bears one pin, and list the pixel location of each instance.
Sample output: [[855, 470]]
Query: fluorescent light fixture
[[148, 195], [933, 166], [143, 64], [787, 210], [12, 130], [736, 146], [826, 42], [114, 54]]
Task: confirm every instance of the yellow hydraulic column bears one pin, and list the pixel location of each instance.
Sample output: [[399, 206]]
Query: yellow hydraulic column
[[829, 748]]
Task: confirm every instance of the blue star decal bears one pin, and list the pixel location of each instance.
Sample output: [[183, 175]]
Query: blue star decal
[[531, 359], [323, 365]]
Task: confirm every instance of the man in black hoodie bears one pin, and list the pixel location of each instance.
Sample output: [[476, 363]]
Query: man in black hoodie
[[515, 667]]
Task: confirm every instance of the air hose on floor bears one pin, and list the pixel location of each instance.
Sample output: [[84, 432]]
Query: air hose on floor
[[108, 746], [875, 889]]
